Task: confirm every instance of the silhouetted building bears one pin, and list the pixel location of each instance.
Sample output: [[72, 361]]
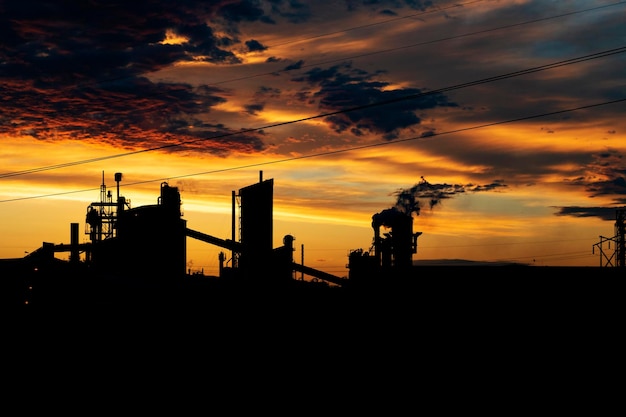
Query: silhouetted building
[[149, 240], [256, 233]]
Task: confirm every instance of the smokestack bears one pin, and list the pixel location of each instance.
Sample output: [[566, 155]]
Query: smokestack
[[377, 252]]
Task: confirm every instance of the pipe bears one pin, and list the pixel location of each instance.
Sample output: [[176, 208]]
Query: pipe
[[233, 226], [224, 243], [318, 274]]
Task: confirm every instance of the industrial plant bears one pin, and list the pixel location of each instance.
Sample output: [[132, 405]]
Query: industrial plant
[[146, 246], [139, 253]]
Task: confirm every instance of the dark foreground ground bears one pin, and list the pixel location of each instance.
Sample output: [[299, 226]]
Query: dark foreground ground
[[483, 339], [436, 288]]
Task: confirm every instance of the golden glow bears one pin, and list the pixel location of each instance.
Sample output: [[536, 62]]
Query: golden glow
[[253, 58], [333, 173], [173, 38]]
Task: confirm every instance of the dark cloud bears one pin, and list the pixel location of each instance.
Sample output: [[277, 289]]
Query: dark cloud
[[381, 110], [264, 92], [388, 12], [605, 175], [293, 11], [612, 186], [39, 32], [254, 108], [496, 185], [131, 112], [604, 213], [381, 6], [255, 46], [294, 66], [260, 96], [240, 11], [77, 69]]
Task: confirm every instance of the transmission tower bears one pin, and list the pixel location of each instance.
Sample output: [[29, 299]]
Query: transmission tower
[[618, 257]]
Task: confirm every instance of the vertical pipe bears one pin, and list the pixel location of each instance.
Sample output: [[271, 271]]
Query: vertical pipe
[[302, 260], [74, 253], [221, 266], [233, 226], [377, 248]]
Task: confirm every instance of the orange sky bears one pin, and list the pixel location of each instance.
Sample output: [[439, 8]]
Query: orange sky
[[511, 111]]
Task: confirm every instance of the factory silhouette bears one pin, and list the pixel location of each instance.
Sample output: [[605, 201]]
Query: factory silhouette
[[137, 256]]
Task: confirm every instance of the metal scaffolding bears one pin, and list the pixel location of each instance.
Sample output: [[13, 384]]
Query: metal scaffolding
[[618, 257]]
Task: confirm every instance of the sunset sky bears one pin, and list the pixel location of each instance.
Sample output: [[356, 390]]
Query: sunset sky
[[506, 120]]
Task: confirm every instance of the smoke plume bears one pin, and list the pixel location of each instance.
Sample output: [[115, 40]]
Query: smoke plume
[[411, 200]]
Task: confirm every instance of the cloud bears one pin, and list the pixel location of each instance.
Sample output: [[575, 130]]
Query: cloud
[[78, 70], [380, 6], [604, 213], [606, 176], [98, 38], [255, 46], [381, 109], [294, 66], [293, 11], [240, 11], [254, 108], [133, 113]]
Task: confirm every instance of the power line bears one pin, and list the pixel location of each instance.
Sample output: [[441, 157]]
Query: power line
[[338, 151], [374, 145], [399, 48], [553, 65], [395, 19], [98, 159], [369, 53], [440, 9]]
